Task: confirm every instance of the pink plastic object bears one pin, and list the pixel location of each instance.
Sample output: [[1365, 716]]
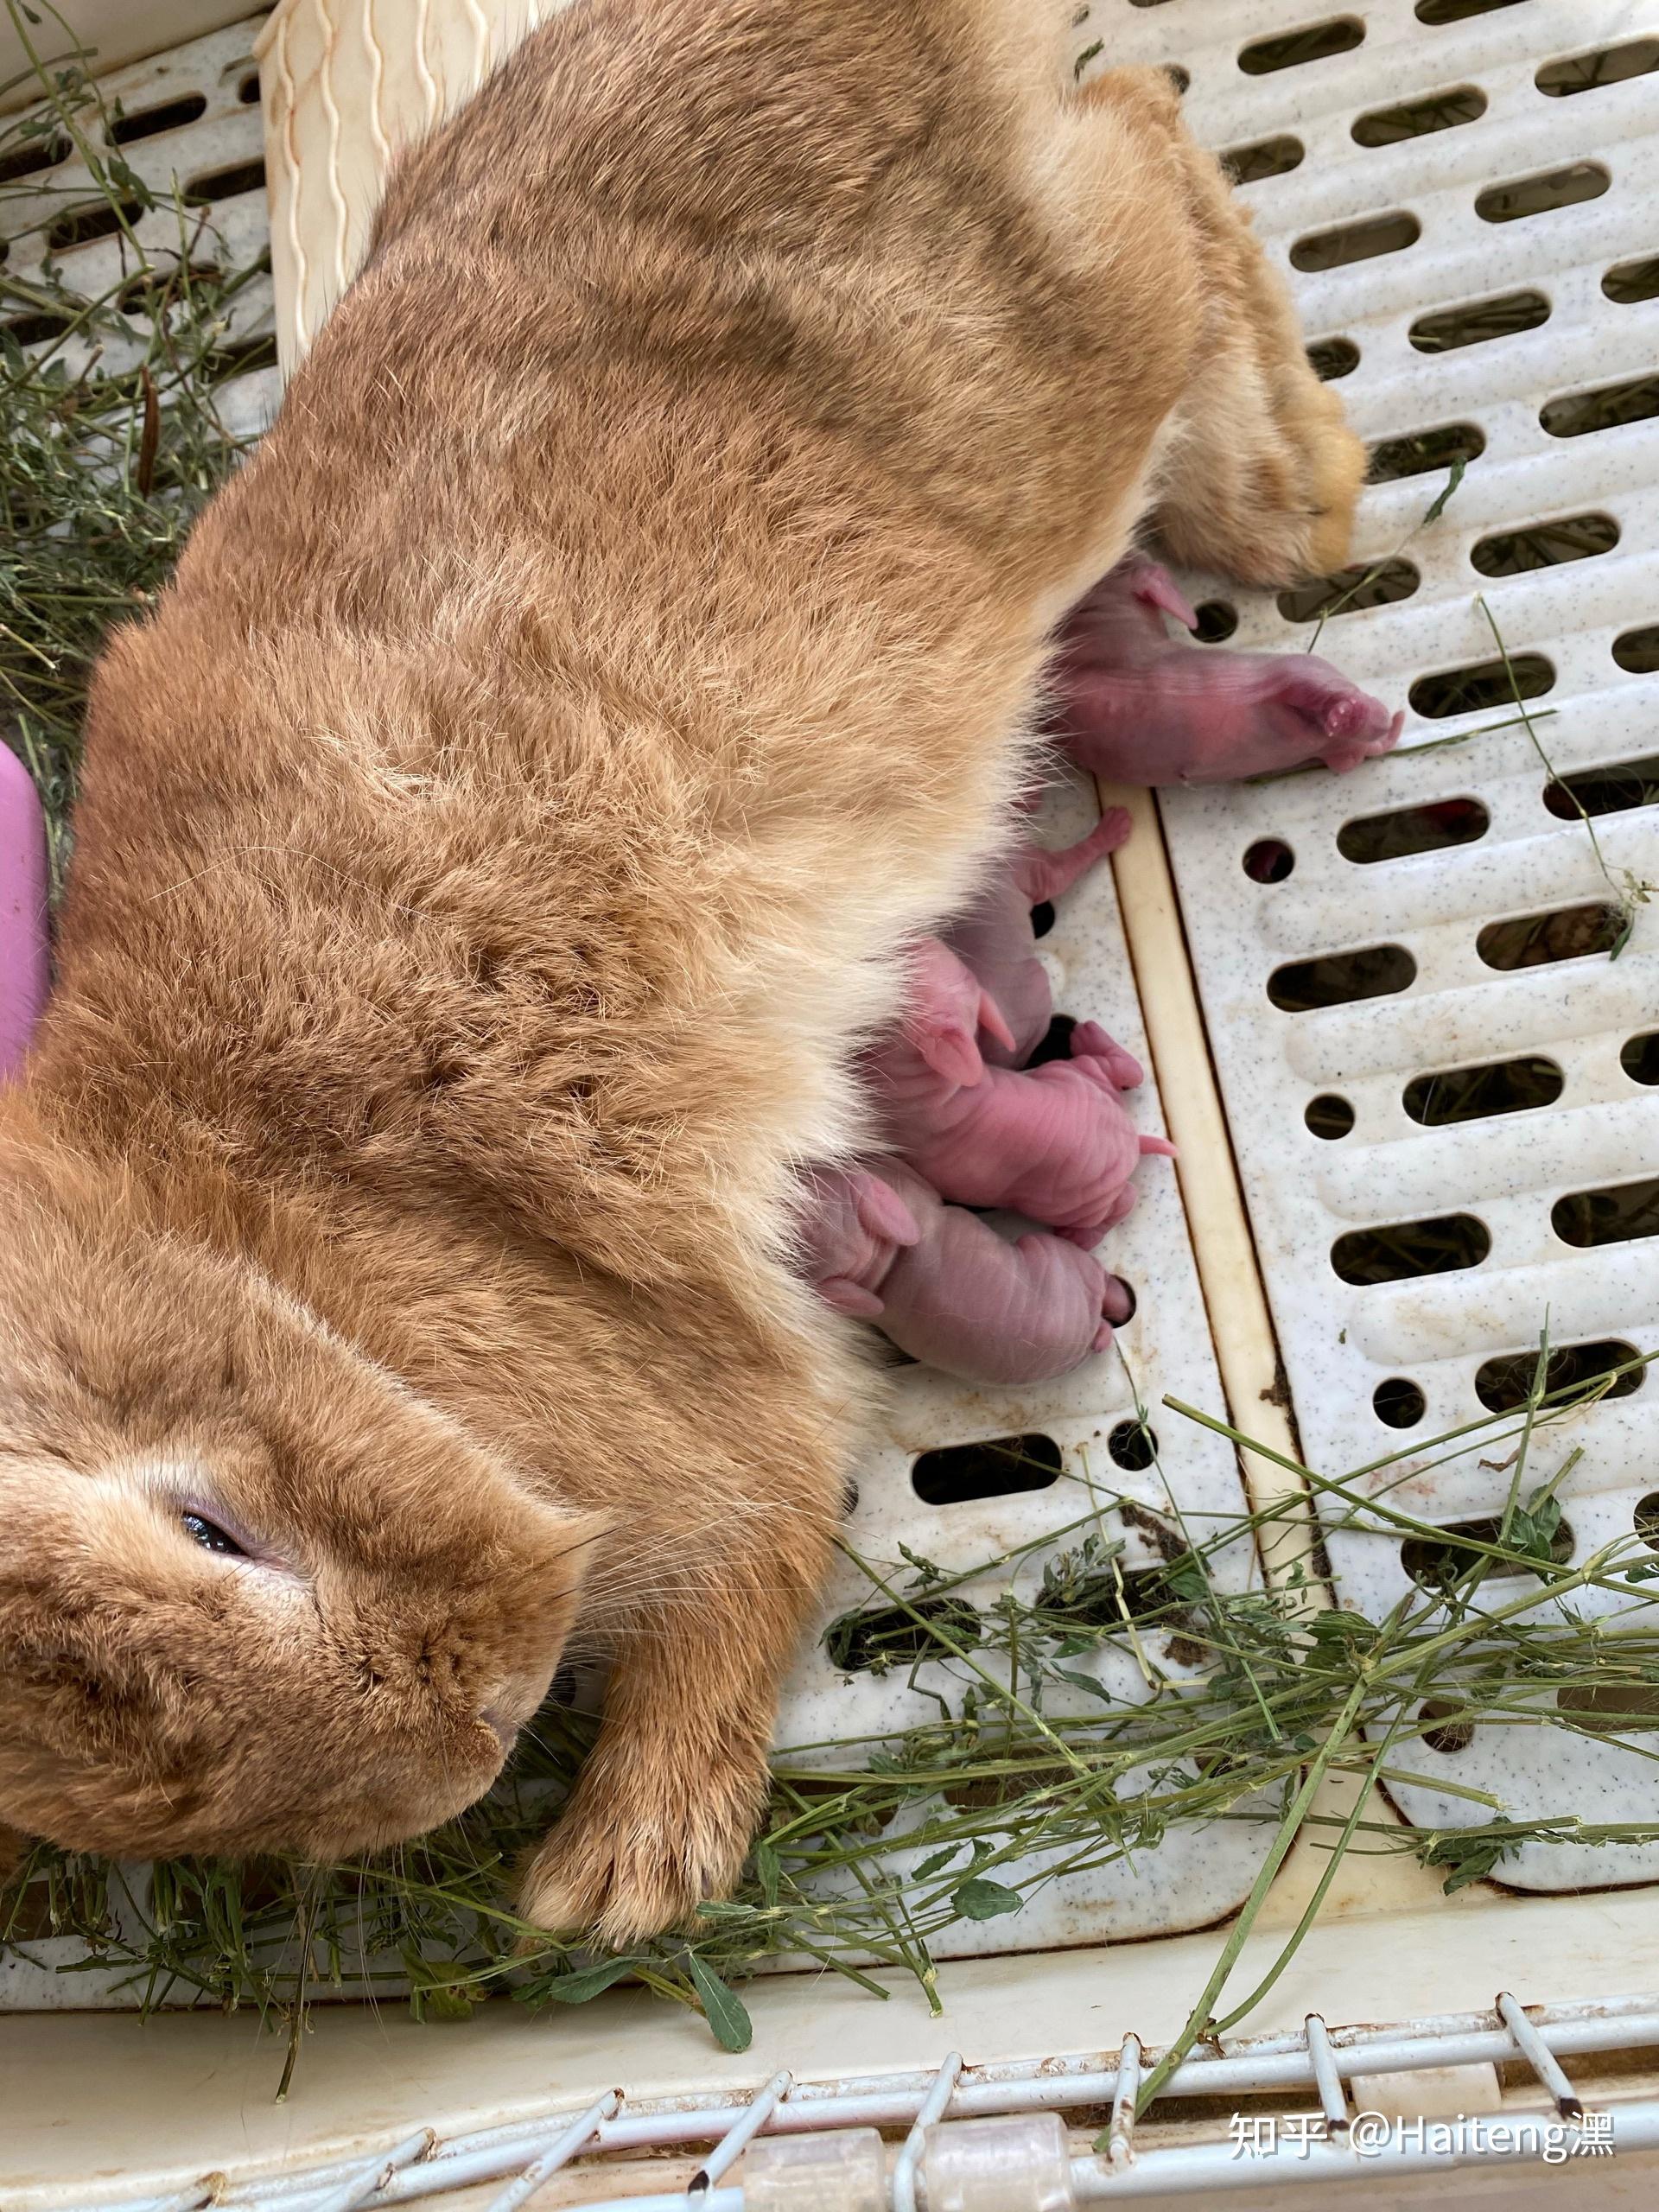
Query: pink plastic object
[[22, 911]]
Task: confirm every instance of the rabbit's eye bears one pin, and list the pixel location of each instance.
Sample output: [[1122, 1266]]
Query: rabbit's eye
[[208, 1534]]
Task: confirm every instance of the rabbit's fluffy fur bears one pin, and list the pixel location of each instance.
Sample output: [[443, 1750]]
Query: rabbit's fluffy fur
[[492, 854]]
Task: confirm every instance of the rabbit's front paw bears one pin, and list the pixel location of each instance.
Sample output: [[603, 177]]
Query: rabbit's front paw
[[628, 1861]]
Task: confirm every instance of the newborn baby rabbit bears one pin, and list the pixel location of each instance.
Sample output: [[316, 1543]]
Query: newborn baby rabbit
[[1054, 1142], [881, 1243], [997, 938], [1136, 706], [492, 852]]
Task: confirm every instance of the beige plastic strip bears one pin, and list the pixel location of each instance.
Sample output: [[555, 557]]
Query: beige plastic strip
[[1246, 1349], [1233, 1291]]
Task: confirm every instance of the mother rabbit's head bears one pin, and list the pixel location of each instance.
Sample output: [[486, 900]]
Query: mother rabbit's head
[[255, 1593]]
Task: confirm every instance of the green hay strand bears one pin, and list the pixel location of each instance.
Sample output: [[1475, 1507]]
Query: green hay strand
[[110, 434]]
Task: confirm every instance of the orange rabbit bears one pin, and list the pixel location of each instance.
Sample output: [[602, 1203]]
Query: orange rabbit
[[494, 852]]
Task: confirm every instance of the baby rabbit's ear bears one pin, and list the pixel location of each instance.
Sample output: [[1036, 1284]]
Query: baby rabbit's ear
[[947, 1008], [948, 1039], [883, 1212], [951, 1050], [847, 1297]]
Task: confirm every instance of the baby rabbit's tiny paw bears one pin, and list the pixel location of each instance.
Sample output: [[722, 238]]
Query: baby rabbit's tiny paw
[[1091, 1041]]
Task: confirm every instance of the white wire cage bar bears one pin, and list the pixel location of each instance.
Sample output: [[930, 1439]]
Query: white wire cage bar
[[1324, 2061]]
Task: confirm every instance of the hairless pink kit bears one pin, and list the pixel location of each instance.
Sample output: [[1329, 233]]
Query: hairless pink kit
[[968, 1120]]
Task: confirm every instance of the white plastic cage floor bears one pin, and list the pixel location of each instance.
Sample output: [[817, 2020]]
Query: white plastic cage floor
[[1496, 168]]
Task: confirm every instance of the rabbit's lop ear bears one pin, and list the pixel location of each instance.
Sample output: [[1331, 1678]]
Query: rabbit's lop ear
[[255, 1593]]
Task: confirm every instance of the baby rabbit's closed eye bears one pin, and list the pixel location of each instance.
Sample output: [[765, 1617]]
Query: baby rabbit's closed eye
[[255, 1591]]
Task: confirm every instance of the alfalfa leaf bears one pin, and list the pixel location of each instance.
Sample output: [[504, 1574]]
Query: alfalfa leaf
[[767, 1872], [1082, 1681], [980, 1899], [734, 2029], [587, 1981]]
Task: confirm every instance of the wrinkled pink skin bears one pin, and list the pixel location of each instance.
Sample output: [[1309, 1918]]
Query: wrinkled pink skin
[[1133, 705], [22, 911], [1136, 706], [945, 1286], [1053, 1143], [996, 940]]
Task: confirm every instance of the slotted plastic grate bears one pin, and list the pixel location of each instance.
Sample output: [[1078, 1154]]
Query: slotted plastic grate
[[187, 123], [1441, 1098]]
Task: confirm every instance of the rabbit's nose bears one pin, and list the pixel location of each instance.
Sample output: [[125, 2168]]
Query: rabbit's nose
[[508, 1703], [506, 1724]]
